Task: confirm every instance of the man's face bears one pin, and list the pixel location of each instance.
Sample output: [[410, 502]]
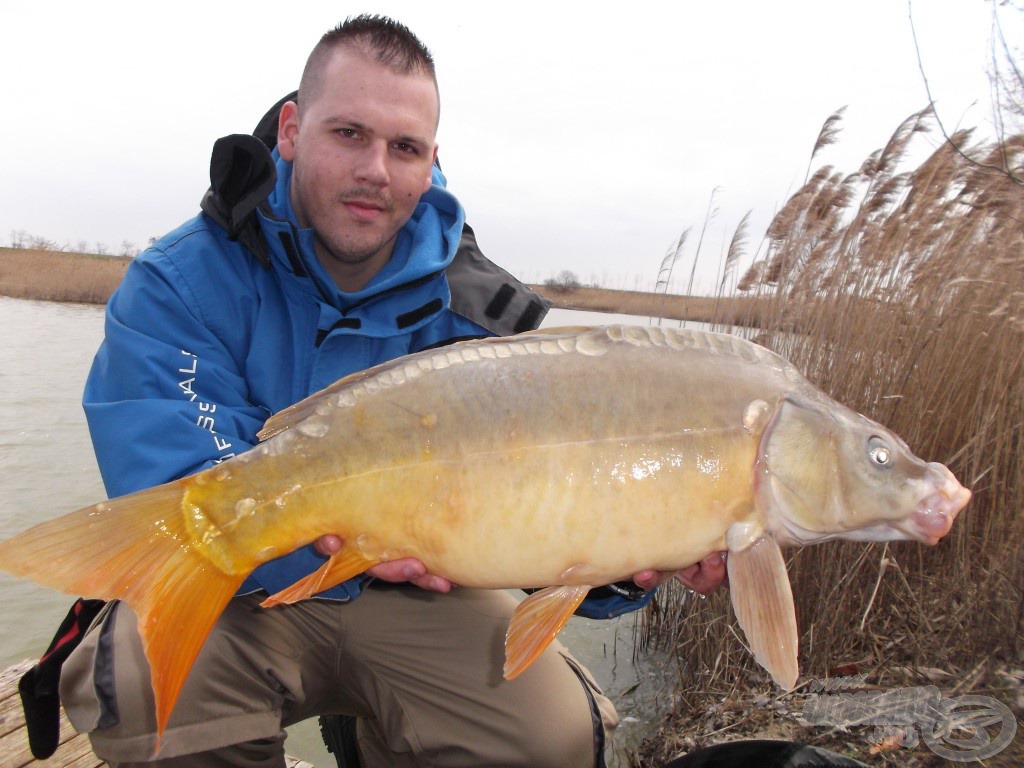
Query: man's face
[[362, 155]]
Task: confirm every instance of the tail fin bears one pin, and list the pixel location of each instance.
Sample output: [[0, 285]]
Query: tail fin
[[134, 548]]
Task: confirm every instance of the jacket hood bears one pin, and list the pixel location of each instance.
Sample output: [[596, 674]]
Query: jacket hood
[[436, 263]]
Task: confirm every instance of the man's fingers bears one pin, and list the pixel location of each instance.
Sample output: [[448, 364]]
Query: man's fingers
[[433, 583], [707, 575], [328, 544], [396, 571], [412, 570], [406, 569], [647, 580]]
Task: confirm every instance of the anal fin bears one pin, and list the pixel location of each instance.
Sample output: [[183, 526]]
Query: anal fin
[[341, 566], [536, 622], [763, 601]]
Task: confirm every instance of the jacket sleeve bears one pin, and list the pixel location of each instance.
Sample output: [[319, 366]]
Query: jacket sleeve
[[164, 397]]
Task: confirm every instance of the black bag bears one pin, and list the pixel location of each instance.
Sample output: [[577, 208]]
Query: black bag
[[39, 687], [765, 754]]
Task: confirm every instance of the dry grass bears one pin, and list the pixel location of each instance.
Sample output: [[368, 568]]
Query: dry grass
[[59, 276], [671, 306], [901, 294]]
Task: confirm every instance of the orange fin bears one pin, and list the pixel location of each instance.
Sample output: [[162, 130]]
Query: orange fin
[[134, 548], [536, 622], [763, 602], [341, 566]]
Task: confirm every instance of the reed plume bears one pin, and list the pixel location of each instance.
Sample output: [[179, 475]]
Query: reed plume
[[900, 292]]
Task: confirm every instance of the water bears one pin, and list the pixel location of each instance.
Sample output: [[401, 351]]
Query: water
[[47, 468], [557, 317], [46, 461]]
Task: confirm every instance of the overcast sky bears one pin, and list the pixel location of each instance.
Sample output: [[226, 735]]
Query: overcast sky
[[582, 136]]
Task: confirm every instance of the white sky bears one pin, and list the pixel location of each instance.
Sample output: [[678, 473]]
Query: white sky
[[579, 135]]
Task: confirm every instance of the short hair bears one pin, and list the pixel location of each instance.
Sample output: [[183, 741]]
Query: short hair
[[384, 40]]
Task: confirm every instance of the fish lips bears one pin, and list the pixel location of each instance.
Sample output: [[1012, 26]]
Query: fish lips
[[933, 518]]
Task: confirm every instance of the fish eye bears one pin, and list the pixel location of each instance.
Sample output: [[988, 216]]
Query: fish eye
[[879, 452]]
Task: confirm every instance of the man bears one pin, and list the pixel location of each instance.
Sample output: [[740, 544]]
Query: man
[[348, 256]]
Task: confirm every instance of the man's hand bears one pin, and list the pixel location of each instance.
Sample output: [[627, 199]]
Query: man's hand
[[704, 577], [407, 569]]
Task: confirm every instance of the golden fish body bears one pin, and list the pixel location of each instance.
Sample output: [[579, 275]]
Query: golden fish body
[[566, 459], [504, 463]]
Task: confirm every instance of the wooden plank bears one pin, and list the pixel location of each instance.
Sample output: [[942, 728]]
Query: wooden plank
[[11, 718], [74, 750]]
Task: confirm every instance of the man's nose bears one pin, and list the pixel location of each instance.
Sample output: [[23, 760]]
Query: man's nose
[[373, 166]]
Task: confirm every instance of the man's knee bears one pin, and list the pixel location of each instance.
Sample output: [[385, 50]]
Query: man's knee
[[222, 706], [583, 734], [258, 753]]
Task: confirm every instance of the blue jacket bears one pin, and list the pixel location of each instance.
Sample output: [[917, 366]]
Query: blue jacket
[[202, 344]]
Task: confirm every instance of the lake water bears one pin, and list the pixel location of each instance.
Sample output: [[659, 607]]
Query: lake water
[[47, 468]]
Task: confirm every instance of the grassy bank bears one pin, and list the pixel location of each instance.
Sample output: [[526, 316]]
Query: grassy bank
[[59, 276], [731, 310], [90, 279]]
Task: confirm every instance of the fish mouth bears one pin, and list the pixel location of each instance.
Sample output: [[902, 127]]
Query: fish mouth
[[934, 515]]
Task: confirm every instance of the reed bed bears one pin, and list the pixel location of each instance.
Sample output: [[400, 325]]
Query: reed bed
[[655, 306], [59, 275], [900, 293]]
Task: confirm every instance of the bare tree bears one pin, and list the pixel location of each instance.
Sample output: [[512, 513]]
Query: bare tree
[[1005, 74], [564, 282], [39, 243]]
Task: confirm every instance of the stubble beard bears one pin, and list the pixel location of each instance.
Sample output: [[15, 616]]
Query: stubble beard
[[352, 254], [349, 246]]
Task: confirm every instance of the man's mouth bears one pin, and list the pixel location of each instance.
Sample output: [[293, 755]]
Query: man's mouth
[[364, 210]]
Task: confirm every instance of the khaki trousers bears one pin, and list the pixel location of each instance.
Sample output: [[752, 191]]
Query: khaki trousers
[[422, 670]]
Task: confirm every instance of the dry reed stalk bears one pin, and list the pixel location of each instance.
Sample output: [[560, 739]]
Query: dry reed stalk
[[901, 294], [59, 276]]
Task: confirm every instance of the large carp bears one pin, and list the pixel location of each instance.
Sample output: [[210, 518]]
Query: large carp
[[563, 459]]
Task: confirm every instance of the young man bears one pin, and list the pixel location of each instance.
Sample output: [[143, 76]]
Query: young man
[[350, 256]]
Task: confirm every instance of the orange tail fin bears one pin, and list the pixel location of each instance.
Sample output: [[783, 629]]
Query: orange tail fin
[[134, 548]]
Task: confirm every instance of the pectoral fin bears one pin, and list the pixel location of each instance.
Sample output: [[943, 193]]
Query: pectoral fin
[[536, 622], [341, 566], [763, 602]]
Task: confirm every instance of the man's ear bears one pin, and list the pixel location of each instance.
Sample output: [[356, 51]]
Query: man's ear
[[288, 130], [430, 174]]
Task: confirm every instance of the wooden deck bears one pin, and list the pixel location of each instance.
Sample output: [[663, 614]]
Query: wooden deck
[[74, 750]]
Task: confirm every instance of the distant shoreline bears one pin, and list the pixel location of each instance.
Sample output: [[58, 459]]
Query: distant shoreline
[[60, 276], [91, 279]]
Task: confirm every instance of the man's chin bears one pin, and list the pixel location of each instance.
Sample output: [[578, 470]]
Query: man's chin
[[353, 264]]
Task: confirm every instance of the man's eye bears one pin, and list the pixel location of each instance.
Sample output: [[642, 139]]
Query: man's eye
[[406, 148], [348, 133]]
